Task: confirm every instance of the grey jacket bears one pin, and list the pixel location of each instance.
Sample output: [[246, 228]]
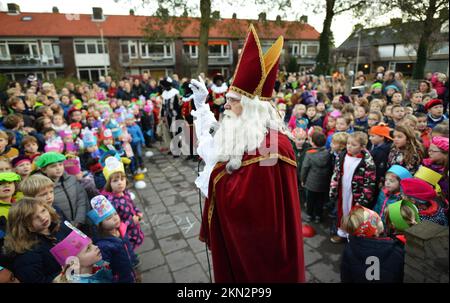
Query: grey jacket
[[316, 170], [71, 198]]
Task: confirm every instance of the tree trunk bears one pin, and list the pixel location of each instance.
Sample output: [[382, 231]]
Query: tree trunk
[[323, 57], [422, 51], [205, 10]]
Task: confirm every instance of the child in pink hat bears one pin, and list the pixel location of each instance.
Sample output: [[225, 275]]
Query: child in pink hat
[[438, 161], [81, 260]]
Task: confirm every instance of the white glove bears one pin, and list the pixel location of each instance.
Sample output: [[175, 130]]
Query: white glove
[[200, 92]]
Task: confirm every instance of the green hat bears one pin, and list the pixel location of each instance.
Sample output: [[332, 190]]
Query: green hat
[[377, 85], [49, 158], [9, 177], [395, 215]]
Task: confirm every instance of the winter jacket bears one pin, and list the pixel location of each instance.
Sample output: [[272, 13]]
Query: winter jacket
[[432, 122], [384, 200], [119, 254], [397, 156], [436, 212], [361, 125], [363, 181], [300, 157], [136, 134], [71, 198], [390, 254], [38, 265], [316, 170], [380, 155]]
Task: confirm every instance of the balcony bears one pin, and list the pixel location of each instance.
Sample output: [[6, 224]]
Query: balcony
[[156, 60], [212, 60], [30, 62]]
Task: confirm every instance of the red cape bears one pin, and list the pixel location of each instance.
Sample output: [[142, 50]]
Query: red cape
[[252, 220]]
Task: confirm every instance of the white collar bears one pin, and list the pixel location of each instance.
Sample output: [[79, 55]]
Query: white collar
[[170, 94], [219, 89]]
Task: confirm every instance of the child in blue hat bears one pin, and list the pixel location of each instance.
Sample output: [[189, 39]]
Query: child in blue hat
[[391, 190], [112, 240]]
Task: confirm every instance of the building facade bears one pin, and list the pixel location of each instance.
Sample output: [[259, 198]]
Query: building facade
[[52, 45], [392, 47]]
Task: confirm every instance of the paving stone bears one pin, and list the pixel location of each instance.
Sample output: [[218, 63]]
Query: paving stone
[[172, 243], [170, 200], [155, 208], [196, 245], [201, 257], [187, 193], [151, 259], [178, 208], [164, 232], [166, 193], [311, 255], [325, 273], [160, 219], [180, 259], [315, 241], [150, 200], [176, 178], [157, 275], [163, 186], [158, 180], [148, 244], [191, 274], [192, 200]]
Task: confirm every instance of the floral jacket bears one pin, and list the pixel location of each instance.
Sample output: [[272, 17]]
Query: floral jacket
[[397, 156], [363, 182]]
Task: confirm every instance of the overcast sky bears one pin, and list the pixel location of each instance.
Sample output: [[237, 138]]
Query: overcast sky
[[342, 25]]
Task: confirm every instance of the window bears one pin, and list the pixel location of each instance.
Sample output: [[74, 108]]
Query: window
[[80, 48], [191, 50], [4, 54], [157, 49], [51, 76], [294, 49], [309, 50], [132, 47], [84, 75], [90, 74], [90, 47], [218, 50]]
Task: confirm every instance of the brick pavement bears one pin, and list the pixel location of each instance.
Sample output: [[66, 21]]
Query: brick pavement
[[172, 252]]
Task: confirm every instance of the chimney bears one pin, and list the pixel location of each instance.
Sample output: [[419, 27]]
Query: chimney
[[234, 16], [13, 9], [262, 17], [97, 13], [131, 12], [278, 19], [304, 19], [216, 15], [55, 10]]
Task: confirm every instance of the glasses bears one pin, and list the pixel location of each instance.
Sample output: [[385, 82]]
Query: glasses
[[433, 151]]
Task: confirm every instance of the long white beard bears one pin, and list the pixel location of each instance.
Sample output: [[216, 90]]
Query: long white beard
[[245, 133]]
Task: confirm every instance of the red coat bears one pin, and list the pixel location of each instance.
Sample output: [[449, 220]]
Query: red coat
[[252, 220]]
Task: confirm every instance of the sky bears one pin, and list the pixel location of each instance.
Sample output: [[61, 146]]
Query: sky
[[342, 24]]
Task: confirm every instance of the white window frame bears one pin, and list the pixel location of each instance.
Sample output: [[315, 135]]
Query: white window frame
[[224, 51], [101, 71], [191, 53], [5, 45], [30, 44], [167, 50], [295, 49], [304, 47], [55, 76], [132, 43], [91, 41]]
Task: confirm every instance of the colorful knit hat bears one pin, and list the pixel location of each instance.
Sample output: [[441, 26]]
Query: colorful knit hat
[[418, 189], [381, 130], [440, 142], [112, 165], [376, 85], [9, 177], [49, 158], [430, 176], [20, 159], [432, 103]]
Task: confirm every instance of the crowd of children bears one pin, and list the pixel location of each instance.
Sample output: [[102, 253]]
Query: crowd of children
[[374, 160]]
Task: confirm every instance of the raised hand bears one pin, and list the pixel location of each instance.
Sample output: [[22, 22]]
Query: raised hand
[[200, 91]]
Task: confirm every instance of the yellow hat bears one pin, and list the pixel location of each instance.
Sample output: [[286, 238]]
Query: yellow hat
[[112, 165], [430, 176]]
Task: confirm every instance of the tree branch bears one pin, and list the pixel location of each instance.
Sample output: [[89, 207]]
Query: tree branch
[[355, 5]]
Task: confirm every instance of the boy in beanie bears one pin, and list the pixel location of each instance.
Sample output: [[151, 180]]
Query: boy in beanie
[[435, 109], [379, 147]]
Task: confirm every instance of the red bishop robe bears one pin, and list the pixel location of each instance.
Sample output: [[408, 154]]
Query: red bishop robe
[[252, 219]]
